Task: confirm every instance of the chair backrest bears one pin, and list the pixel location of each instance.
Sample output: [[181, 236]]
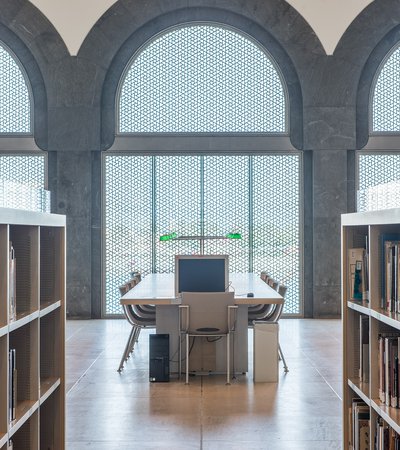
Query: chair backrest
[[276, 315], [123, 289], [208, 311]]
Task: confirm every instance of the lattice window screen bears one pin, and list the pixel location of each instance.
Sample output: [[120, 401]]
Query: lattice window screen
[[128, 222], [376, 169], [276, 212], [25, 170], [177, 207], [15, 107], [386, 96], [148, 196], [226, 207], [202, 78]]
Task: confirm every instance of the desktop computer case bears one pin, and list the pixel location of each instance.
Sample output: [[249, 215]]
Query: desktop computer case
[[159, 357]]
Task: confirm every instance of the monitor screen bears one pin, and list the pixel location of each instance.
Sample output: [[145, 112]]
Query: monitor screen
[[201, 273]]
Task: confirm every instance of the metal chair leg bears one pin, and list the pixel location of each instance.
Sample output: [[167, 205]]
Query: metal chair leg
[[125, 354], [133, 340], [187, 358], [282, 357], [138, 334], [180, 355], [228, 359]]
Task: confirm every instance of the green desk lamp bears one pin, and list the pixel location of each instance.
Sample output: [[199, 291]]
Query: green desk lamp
[[175, 237]]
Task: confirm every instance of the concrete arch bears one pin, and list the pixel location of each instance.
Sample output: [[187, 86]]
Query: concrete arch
[[146, 32], [37, 45], [366, 83]]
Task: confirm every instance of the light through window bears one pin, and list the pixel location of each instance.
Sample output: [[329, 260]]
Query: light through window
[[15, 108], [212, 195], [202, 79]]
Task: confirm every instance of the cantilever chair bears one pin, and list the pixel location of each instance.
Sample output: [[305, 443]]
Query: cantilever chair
[[262, 312], [273, 317], [207, 314], [139, 317]]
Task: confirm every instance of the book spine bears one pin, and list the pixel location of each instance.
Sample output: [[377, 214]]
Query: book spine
[[12, 393], [381, 369]]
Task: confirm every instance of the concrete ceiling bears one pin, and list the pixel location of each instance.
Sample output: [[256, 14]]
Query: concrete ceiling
[[73, 19]]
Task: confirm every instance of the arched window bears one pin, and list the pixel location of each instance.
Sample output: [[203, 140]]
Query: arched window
[[15, 101], [202, 78], [376, 165], [22, 164], [202, 83]]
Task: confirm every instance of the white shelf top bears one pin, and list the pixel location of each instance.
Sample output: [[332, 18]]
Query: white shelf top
[[380, 217], [22, 217]]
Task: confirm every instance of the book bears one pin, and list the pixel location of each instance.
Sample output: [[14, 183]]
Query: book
[[12, 285], [360, 419], [355, 264], [386, 241], [366, 271], [363, 430], [12, 394], [364, 349]]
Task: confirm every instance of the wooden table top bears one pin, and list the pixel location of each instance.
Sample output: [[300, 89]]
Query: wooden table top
[[159, 289]]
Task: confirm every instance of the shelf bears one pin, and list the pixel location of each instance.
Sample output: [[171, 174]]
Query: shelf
[[390, 319], [23, 411], [3, 330], [22, 320], [3, 439], [49, 307], [362, 307], [38, 332], [389, 414], [361, 389], [47, 387], [26, 437], [359, 230]]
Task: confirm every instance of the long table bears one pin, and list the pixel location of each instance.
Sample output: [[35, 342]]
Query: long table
[[159, 289]]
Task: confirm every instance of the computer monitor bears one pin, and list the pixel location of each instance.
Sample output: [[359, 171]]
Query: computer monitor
[[201, 273]]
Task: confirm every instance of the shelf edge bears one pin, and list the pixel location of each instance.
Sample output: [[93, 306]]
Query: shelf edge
[[50, 308]]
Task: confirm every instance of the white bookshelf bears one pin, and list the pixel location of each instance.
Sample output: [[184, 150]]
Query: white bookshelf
[[38, 331], [355, 228]]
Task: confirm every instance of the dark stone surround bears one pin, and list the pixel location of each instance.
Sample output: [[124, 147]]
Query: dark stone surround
[[74, 116]]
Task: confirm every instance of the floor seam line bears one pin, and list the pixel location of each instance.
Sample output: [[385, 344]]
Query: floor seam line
[[84, 373]]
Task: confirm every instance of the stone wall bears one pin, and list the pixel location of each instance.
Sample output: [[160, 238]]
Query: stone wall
[[74, 113]]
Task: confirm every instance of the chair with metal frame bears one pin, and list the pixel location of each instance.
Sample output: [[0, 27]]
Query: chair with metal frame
[[133, 333], [207, 314], [273, 317], [262, 311], [138, 316]]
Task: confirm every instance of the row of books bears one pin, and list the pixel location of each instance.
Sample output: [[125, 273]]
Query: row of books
[[385, 437], [12, 387], [390, 298], [388, 367], [359, 425], [358, 272]]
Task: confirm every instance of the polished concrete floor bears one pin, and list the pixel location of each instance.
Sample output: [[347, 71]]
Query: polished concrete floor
[[111, 411]]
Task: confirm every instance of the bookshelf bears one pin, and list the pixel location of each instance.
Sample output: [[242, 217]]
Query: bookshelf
[[363, 350], [36, 332]]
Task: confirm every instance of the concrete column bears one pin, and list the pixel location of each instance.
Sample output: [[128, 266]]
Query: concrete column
[[72, 195], [329, 202]]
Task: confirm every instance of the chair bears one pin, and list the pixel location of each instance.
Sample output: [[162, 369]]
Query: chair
[[139, 316], [132, 338], [209, 314], [262, 312], [273, 317]]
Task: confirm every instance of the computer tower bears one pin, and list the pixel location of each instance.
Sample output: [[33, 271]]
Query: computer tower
[[159, 357]]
